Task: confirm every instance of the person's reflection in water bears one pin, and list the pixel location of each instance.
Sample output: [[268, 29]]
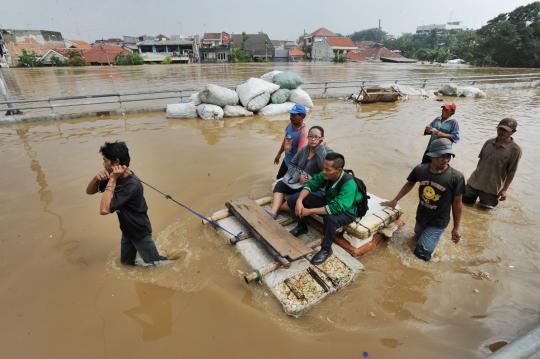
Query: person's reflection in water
[[154, 313]]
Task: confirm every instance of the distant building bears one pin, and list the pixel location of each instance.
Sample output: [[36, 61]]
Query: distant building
[[215, 54], [76, 44], [38, 41], [320, 33], [295, 54], [181, 51], [103, 54], [375, 51], [452, 25], [259, 46], [327, 48], [354, 56], [111, 41], [213, 39]]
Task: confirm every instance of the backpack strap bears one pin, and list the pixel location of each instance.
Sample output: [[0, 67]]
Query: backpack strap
[[346, 177]]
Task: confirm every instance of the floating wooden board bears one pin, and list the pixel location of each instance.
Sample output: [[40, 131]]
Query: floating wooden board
[[265, 229]]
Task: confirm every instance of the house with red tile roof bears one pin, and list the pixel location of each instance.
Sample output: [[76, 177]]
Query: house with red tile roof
[[326, 49], [103, 54], [295, 54], [376, 51], [77, 44], [317, 35], [354, 56]]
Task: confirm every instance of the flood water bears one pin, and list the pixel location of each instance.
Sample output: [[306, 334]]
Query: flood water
[[64, 294]]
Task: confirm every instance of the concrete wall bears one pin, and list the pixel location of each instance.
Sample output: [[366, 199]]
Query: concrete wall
[[321, 51]]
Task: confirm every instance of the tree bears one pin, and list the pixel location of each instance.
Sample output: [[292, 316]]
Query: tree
[[511, 39], [55, 61], [131, 58], [28, 59], [76, 59], [373, 34]]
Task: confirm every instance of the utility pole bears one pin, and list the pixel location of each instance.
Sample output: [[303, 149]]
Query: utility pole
[[380, 32]]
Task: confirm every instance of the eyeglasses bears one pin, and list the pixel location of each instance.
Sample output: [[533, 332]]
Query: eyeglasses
[[314, 137]]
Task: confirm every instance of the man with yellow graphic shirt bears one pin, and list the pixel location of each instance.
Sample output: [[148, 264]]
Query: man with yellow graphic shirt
[[440, 190]]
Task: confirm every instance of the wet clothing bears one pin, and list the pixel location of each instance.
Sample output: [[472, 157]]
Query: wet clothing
[[495, 163], [427, 239], [294, 141], [301, 165], [436, 193], [130, 206], [281, 187], [338, 200], [145, 246], [332, 222], [449, 126], [486, 199]]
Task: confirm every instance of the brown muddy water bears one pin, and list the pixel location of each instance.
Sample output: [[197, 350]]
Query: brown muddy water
[[63, 293]]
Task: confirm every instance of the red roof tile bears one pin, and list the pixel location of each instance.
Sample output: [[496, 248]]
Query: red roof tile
[[103, 54], [355, 57], [374, 50], [296, 52], [340, 42], [322, 32]]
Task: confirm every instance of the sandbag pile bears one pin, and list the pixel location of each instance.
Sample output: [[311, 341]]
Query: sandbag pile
[[276, 92], [466, 91]]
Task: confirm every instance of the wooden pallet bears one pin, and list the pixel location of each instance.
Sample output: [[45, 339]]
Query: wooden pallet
[[267, 230]]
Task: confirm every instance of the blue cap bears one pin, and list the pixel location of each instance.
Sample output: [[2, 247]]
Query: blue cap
[[298, 109]]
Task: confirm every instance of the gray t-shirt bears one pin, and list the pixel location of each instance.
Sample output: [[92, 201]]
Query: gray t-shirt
[[436, 193], [129, 204]]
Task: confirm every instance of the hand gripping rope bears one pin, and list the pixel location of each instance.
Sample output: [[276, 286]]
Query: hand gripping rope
[[215, 224]]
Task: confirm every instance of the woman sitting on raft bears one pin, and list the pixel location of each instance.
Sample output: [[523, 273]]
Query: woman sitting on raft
[[307, 162]]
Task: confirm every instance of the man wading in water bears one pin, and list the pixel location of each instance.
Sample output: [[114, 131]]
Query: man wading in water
[[123, 194], [440, 190]]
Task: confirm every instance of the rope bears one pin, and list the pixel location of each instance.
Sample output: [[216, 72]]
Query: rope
[[215, 224]]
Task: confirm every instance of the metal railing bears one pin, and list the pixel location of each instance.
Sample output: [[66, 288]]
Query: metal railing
[[323, 87]]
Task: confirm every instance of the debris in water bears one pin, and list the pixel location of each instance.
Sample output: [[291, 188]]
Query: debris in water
[[476, 290], [372, 315]]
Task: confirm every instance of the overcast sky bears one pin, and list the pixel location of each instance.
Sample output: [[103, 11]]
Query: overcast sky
[[91, 20]]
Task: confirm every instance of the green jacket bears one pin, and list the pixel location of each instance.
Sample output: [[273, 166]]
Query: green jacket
[[336, 202]]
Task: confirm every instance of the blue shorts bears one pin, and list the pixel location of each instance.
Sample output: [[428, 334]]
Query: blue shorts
[[426, 240]]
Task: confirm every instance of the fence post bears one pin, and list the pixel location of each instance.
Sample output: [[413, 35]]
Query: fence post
[[325, 88], [120, 102], [424, 84], [52, 114]]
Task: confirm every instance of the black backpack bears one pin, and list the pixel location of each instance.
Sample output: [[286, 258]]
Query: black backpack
[[362, 206]]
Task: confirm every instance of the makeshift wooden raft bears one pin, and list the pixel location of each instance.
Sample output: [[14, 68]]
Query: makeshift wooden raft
[[296, 284]]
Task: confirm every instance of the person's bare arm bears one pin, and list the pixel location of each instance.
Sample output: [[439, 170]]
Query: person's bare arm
[[281, 150], [509, 179], [457, 208], [404, 190], [105, 205], [94, 182]]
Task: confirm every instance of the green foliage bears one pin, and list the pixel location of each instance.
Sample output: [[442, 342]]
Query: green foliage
[[131, 58], [167, 60], [510, 39], [56, 61], [75, 59], [339, 59], [29, 59], [373, 34], [240, 55]]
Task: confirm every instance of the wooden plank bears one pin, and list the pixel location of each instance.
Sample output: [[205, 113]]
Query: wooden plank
[[265, 229]]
